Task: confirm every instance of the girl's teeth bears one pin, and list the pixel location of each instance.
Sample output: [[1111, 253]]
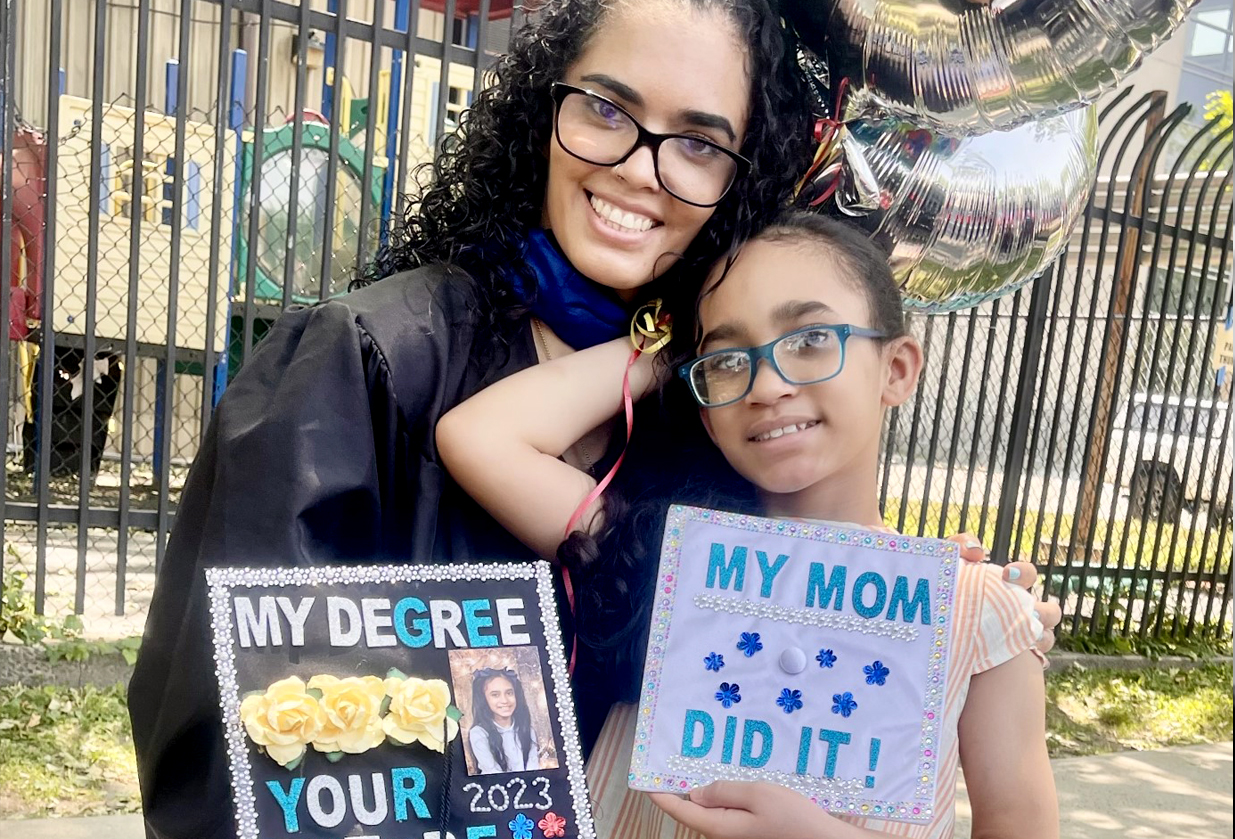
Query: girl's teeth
[[780, 432]]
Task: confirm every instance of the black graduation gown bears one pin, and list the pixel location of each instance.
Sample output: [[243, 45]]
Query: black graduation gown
[[322, 450]]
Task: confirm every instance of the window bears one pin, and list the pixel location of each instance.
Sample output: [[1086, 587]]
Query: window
[[169, 192], [463, 32], [1173, 418], [192, 195], [456, 104], [121, 172], [457, 101], [312, 220], [105, 179], [1211, 33], [193, 202], [125, 187], [1192, 294]]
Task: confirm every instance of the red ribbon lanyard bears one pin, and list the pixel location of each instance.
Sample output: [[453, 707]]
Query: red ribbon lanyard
[[649, 323]]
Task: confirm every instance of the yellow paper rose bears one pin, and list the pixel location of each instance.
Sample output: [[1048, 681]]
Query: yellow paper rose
[[284, 719], [418, 712], [351, 713]]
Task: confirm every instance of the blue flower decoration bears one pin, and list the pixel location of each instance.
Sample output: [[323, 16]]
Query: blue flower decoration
[[521, 827], [843, 704], [876, 673], [728, 694], [714, 662], [789, 700], [750, 643], [826, 658]]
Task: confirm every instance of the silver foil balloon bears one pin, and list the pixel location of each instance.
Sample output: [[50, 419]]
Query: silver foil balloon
[[967, 68], [967, 219]]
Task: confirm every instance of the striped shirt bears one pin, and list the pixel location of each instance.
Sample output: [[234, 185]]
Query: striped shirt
[[993, 622]]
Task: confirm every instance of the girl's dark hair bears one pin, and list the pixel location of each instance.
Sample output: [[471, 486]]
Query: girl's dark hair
[[862, 262], [486, 187], [483, 717], [671, 460]]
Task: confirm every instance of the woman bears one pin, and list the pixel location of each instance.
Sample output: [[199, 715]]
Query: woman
[[322, 450], [501, 736]]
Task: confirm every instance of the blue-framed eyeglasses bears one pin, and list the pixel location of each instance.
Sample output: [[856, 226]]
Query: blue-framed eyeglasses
[[802, 357]]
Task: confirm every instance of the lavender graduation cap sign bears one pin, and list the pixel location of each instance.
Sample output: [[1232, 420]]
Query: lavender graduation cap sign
[[397, 702], [808, 655]]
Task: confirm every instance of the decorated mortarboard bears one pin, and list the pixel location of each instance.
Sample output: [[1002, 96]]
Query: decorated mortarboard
[[810, 655], [350, 702]]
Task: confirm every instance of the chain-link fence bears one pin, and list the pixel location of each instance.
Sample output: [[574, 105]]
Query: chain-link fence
[[199, 165], [152, 150]]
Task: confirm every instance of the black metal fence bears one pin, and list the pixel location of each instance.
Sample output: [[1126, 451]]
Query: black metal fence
[[155, 223], [1081, 424], [152, 152]]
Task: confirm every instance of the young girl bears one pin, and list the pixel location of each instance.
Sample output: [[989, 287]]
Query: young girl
[[501, 736], [801, 348]]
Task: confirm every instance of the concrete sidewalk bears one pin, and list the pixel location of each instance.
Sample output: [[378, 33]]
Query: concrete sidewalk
[[1181, 793]]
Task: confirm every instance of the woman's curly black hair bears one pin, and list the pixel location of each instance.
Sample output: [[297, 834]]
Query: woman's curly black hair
[[670, 459], [485, 189]]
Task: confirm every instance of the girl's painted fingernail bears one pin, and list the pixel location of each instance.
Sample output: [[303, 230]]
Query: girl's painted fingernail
[[1014, 574], [972, 544]]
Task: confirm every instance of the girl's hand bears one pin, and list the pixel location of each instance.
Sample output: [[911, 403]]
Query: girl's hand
[[744, 809], [1021, 574]]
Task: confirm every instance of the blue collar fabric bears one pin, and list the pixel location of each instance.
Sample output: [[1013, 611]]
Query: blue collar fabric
[[579, 311]]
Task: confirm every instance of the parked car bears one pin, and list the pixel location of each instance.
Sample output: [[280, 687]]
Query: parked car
[[1171, 447]]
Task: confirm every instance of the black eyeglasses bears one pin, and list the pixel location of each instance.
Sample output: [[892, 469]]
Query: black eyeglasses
[[595, 130], [803, 357]]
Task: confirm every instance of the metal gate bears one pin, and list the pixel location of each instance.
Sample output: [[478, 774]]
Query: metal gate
[[153, 149], [1080, 424]]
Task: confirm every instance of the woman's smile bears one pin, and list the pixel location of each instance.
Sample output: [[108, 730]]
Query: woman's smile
[[621, 220]]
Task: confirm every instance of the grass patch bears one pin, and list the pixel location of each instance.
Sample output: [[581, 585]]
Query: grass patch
[[65, 752], [69, 752], [1097, 711], [1135, 541], [1199, 645]]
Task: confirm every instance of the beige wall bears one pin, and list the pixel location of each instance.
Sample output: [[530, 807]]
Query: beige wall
[[119, 67], [1161, 69], [118, 83]]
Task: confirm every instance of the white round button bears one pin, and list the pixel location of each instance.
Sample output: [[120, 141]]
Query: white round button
[[793, 661]]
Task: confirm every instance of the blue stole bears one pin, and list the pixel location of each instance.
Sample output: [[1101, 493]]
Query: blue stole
[[580, 312]]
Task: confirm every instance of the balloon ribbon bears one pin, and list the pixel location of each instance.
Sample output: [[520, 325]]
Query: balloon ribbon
[[827, 162]]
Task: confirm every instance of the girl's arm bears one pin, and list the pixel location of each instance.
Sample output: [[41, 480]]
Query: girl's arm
[[502, 445], [1003, 753]]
